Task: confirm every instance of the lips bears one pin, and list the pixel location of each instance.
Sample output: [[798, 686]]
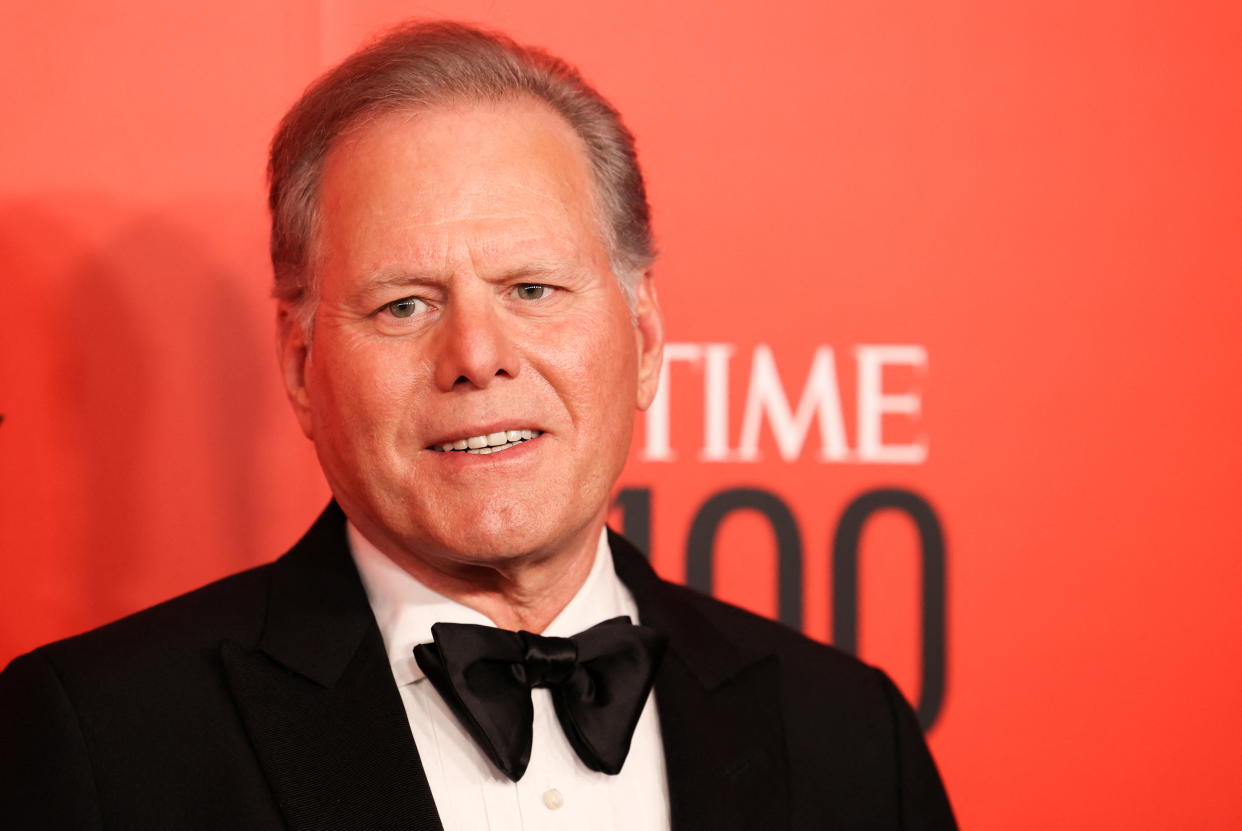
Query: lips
[[486, 443]]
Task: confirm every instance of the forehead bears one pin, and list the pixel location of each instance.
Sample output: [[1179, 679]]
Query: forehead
[[411, 183]]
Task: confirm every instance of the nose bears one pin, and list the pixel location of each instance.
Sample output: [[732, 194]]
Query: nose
[[473, 346]]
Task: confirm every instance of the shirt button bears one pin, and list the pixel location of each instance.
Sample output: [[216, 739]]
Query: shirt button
[[552, 799]]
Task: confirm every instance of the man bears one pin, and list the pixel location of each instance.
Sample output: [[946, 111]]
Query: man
[[467, 324]]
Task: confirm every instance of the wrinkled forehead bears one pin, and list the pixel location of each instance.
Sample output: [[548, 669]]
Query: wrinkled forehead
[[423, 174]]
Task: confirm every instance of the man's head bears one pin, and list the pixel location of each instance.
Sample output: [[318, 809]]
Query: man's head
[[421, 65], [465, 287]]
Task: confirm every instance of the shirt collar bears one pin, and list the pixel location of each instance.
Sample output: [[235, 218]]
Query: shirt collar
[[405, 608]]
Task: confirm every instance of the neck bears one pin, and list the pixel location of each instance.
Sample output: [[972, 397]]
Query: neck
[[520, 592]]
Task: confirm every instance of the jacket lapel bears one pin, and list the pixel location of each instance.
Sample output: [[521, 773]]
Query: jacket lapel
[[720, 714], [318, 699]]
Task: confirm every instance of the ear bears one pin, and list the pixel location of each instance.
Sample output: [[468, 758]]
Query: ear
[[293, 355], [649, 331]]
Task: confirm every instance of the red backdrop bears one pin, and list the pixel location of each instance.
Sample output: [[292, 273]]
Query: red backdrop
[[1036, 202]]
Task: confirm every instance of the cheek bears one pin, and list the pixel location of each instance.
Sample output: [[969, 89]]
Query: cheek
[[361, 391], [596, 374]]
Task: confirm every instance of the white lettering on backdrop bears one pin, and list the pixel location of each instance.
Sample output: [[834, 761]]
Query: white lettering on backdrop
[[766, 402]]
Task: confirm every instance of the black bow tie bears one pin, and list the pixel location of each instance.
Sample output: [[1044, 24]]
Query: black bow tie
[[599, 680]]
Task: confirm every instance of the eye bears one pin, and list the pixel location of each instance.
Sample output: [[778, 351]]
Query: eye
[[532, 291], [406, 307]]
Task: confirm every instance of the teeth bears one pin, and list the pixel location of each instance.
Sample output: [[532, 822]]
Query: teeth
[[491, 443], [485, 450]]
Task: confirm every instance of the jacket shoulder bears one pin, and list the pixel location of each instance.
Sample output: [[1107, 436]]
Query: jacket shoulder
[[231, 608], [117, 725], [761, 635], [844, 722]]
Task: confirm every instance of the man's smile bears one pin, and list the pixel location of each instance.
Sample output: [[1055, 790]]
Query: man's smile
[[487, 443]]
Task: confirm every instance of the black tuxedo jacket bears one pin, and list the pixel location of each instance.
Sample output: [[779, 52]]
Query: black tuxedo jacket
[[266, 701]]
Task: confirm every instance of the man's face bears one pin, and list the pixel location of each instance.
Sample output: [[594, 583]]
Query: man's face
[[465, 291]]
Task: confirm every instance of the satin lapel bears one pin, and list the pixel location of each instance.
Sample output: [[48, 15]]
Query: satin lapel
[[720, 714], [318, 699]]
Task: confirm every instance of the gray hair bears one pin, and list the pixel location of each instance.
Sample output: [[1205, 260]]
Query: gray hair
[[417, 65]]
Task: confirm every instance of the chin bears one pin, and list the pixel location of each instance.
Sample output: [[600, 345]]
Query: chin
[[499, 535], [494, 540]]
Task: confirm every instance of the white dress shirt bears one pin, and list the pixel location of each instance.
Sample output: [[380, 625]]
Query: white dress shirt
[[558, 792]]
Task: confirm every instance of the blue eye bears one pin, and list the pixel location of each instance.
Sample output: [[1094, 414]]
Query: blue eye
[[533, 291], [406, 307]]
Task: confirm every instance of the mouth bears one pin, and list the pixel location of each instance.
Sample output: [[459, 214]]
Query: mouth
[[487, 443]]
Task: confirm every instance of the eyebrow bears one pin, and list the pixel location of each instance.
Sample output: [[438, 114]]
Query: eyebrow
[[390, 279], [385, 278]]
